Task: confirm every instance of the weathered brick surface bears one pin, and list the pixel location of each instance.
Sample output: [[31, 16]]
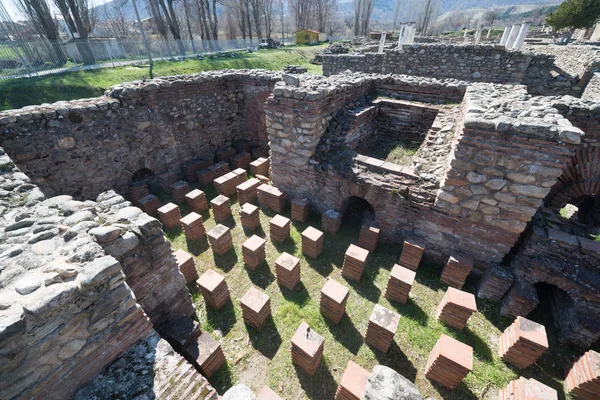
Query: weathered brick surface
[[85, 147], [498, 170]]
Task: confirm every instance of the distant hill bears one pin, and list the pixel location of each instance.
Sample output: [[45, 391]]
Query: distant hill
[[509, 9]]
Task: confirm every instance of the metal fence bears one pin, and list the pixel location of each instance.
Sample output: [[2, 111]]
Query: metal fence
[[40, 57]]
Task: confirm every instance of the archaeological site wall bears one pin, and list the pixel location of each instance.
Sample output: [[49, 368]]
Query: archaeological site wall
[[495, 174], [468, 62], [80, 283], [550, 70], [592, 90], [82, 148]]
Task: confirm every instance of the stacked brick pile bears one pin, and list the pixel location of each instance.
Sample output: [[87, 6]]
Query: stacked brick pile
[[207, 176], [354, 262], [242, 160], [169, 215], [331, 221], [221, 208], [287, 269], [334, 297], [300, 208], [260, 166], [149, 204], [495, 282], [214, 289], [456, 308], [527, 389], [226, 184], [271, 197], [382, 327], [399, 284], [266, 393], [457, 269], [280, 228], [241, 175], [523, 342], [253, 252], [246, 191], [220, 239], [178, 191], [307, 348], [210, 355], [225, 153], [583, 379], [312, 242], [368, 237], [196, 199], [249, 216], [449, 362], [186, 265], [353, 383], [520, 299], [193, 227], [191, 168], [256, 308], [137, 191], [165, 181], [412, 252]]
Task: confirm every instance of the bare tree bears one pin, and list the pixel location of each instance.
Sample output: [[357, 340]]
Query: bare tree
[[428, 11], [170, 16], [302, 11], [362, 16], [268, 16], [116, 18], [323, 10], [80, 19], [490, 16], [257, 16], [186, 9], [160, 23], [39, 14]]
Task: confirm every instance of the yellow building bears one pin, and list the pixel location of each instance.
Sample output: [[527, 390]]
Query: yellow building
[[307, 36]]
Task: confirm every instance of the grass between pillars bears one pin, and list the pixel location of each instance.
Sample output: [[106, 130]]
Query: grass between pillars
[[22, 92], [258, 358]]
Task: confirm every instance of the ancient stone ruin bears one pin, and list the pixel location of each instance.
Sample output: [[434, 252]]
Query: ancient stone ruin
[[476, 166]]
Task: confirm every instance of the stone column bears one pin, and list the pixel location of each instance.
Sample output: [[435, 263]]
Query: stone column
[[512, 36], [411, 33], [381, 42], [505, 36], [402, 35], [521, 37], [478, 34], [489, 32]]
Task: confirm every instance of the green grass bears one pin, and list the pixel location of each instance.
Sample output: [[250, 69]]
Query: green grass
[[402, 155], [258, 358], [22, 92]]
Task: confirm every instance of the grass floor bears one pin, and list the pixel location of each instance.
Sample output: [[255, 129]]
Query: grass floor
[[22, 92], [258, 358]]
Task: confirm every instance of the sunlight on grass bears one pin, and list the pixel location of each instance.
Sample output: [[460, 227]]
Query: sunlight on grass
[[258, 358], [21, 92]]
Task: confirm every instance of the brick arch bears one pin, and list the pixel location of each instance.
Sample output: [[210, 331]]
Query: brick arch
[[581, 178], [155, 164]]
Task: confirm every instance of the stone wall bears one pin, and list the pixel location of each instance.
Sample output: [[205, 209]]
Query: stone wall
[[592, 90], [465, 62], [84, 147], [582, 176], [67, 308], [552, 254], [482, 206], [546, 70]]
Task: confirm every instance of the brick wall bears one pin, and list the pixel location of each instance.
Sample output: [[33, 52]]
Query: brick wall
[[85, 147], [74, 278], [485, 200]]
